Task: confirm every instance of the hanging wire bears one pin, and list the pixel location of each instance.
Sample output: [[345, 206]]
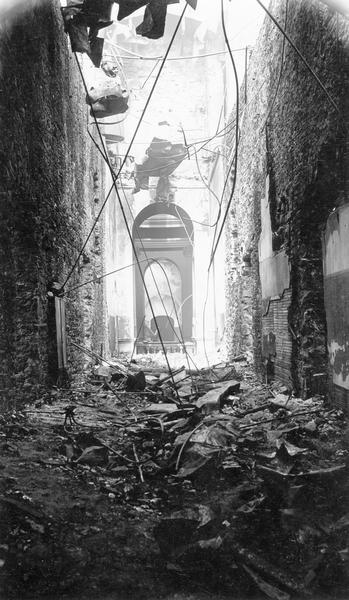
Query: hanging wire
[[136, 339], [150, 74], [183, 219], [176, 314], [216, 152], [211, 191], [92, 354], [220, 117], [208, 187], [223, 132], [109, 122], [204, 326], [134, 55], [98, 278]]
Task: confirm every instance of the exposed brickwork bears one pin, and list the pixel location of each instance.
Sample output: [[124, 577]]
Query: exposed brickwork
[[274, 320], [48, 176], [302, 150]]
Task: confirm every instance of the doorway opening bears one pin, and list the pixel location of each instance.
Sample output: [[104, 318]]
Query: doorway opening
[[163, 239]]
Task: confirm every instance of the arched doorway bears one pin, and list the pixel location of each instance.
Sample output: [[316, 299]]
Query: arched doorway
[[163, 234]]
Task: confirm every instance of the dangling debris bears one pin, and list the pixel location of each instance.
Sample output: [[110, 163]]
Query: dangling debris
[[107, 91], [82, 21], [154, 19], [161, 159]]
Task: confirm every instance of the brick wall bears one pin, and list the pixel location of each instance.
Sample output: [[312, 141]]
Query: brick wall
[[301, 148], [51, 182], [277, 339]]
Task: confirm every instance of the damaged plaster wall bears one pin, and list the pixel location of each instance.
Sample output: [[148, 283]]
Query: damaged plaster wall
[[336, 277], [51, 186], [301, 142]]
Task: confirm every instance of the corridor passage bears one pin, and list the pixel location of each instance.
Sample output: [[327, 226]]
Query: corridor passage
[[174, 313]]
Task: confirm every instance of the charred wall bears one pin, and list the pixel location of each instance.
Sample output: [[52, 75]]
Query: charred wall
[[302, 137], [51, 182]]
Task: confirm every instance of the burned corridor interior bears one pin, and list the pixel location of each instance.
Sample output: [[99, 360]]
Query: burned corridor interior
[[174, 313]]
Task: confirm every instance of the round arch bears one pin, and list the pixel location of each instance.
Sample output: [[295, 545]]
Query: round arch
[[163, 209]]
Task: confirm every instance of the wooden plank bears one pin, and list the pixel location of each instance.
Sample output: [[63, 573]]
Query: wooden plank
[[61, 338]]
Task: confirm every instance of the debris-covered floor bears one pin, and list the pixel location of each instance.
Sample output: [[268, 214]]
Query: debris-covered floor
[[206, 484]]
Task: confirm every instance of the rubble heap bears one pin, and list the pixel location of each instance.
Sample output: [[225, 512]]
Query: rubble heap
[[232, 480]]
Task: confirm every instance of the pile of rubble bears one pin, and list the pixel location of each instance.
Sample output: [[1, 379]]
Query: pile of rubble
[[247, 484]]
